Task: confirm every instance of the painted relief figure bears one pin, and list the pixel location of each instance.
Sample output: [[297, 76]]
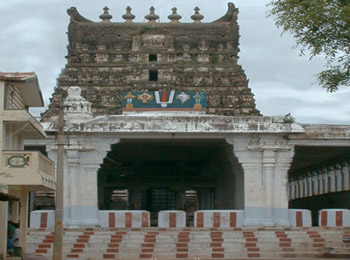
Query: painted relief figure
[[129, 97]]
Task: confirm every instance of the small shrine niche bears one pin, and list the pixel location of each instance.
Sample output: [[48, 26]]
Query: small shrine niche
[[75, 106]]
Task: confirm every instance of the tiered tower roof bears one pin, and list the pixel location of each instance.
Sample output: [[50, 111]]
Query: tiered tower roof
[[108, 60]]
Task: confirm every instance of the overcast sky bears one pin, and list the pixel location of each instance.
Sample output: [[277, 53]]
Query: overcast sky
[[33, 38]]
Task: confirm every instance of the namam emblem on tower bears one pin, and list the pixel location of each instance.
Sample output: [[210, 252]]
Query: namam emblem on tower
[[164, 101]]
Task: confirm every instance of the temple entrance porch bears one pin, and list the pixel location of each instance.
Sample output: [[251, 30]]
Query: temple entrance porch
[[170, 174]]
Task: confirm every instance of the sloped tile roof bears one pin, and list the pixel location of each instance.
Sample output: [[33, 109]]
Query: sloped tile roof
[[16, 76]]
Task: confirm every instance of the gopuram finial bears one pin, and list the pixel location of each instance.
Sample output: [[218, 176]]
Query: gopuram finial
[[197, 17], [128, 16], [106, 17], [152, 17], [174, 17]]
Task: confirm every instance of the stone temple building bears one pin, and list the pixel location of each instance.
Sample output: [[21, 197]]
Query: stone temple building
[[159, 116]]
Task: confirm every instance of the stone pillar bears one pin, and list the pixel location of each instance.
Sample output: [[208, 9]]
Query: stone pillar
[[305, 186], [325, 180], [90, 158], [71, 182], [284, 158], [83, 157], [296, 185], [338, 177], [251, 162], [291, 190], [237, 190], [265, 161], [253, 203], [309, 182], [300, 188], [345, 172], [86, 209], [331, 179], [320, 181], [268, 183], [314, 183]]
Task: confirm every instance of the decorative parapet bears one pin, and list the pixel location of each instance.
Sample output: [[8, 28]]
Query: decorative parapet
[[231, 14], [152, 17], [128, 17], [174, 17], [197, 17], [322, 132], [175, 123], [106, 17]]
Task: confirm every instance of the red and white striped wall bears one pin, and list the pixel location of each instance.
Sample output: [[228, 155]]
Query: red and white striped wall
[[172, 218], [300, 217], [123, 218], [334, 218], [42, 219], [219, 218]]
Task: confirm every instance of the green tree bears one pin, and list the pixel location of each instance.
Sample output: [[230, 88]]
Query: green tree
[[320, 27]]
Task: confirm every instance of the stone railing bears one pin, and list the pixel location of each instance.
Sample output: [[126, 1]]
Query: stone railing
[[332, 177], [46, 166]]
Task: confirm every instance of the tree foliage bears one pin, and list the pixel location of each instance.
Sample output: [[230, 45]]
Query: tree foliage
[[320, 27]]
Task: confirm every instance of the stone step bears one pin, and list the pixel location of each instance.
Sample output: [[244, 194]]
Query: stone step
[[193, 243], [191, 246], [206, 256], [205, 243], [195, 234]]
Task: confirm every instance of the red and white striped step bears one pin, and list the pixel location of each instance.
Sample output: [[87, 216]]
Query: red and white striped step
[[176, 243]]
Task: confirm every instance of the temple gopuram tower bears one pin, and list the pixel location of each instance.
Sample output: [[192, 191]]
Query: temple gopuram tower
[[127, 66]]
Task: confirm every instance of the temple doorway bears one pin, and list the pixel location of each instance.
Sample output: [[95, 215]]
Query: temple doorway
[[175, 174]]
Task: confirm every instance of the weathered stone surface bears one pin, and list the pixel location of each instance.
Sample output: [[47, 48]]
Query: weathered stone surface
[[106, 58], [184, 123]]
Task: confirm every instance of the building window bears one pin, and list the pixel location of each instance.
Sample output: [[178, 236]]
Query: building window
[[40, 148], [153, 75], [152, 57]]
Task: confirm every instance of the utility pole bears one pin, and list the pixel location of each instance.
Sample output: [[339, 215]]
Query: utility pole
[[58, 236]]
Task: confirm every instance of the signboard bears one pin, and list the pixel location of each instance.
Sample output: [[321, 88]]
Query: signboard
[[166, 100]]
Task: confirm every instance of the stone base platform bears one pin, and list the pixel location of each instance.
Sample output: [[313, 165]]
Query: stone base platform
[[195, 243]]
